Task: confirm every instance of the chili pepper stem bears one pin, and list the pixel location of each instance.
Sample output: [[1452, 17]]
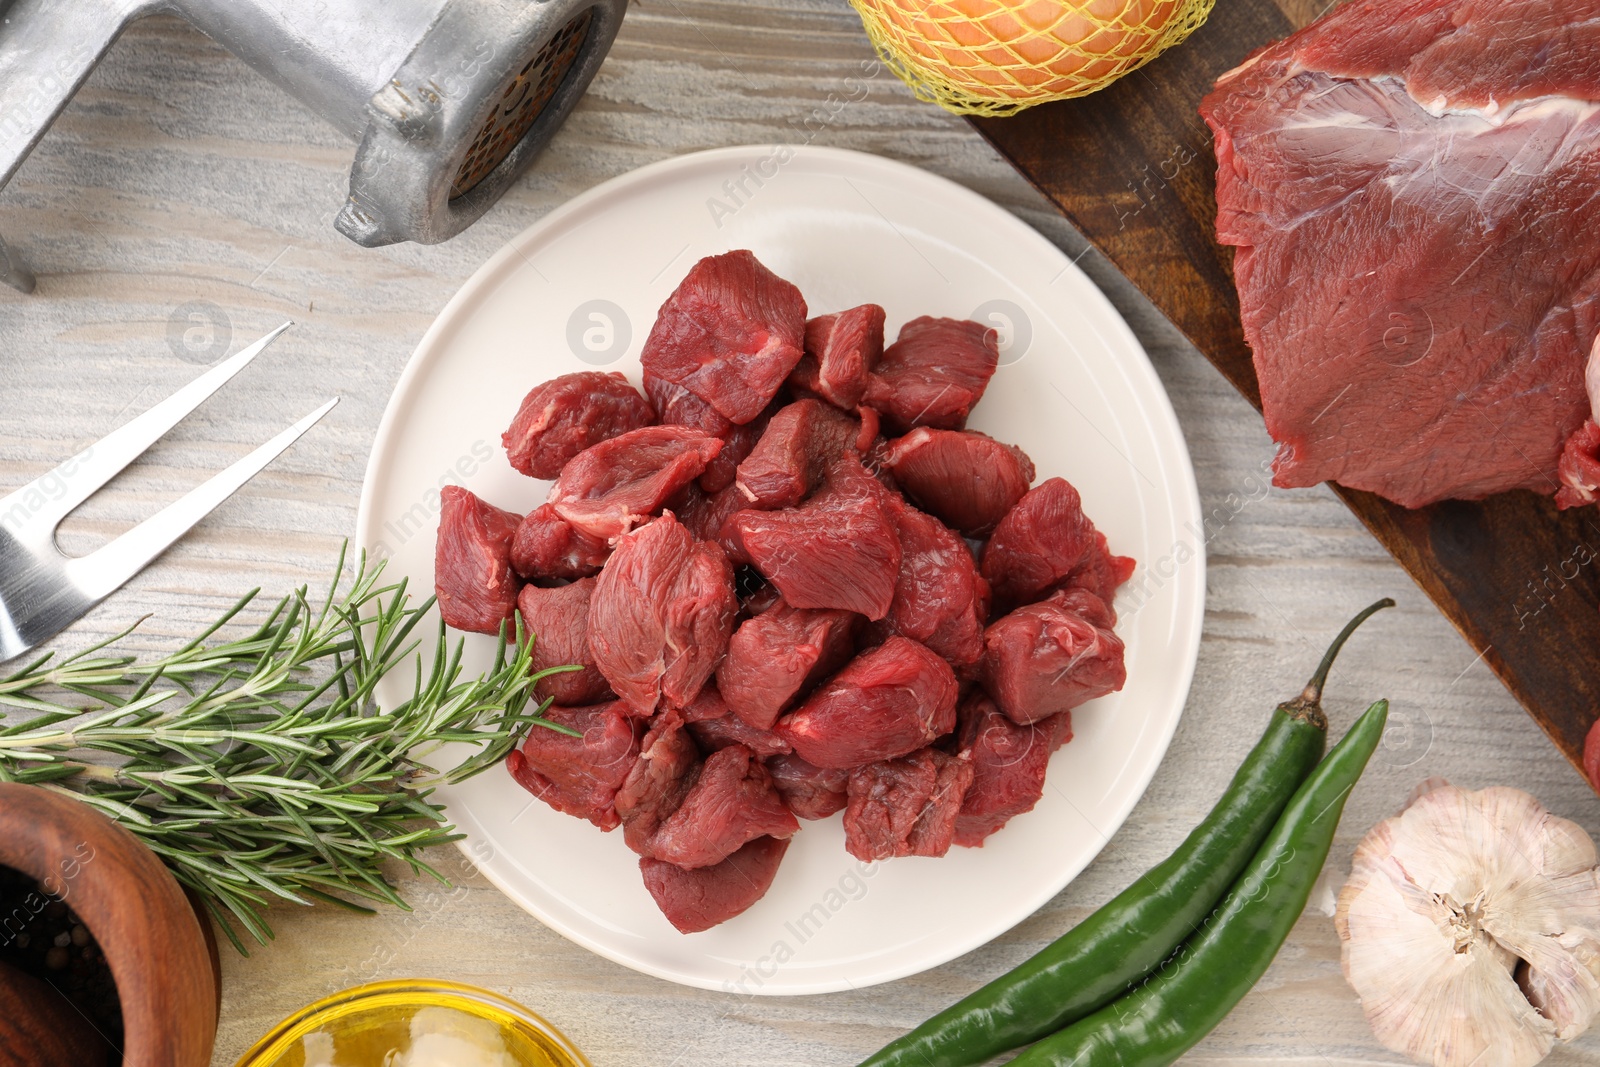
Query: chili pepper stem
[[1163, 1017], [1125, 942], [1308, 705]]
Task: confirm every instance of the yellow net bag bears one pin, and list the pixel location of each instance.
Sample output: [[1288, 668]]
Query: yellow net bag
[[996, 57]]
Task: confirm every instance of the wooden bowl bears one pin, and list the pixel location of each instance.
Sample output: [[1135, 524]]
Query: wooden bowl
[[157, 949], [40, 1028]]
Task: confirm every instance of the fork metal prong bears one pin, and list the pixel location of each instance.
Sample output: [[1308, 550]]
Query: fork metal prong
[[108, 567], [80, 476]]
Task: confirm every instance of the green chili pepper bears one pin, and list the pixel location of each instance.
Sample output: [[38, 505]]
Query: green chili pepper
[[1097, 960], [1190, 993]]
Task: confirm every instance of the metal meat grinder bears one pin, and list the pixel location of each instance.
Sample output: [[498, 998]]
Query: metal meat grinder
[[448, 100]]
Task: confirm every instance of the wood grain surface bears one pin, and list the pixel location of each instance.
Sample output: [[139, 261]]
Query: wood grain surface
[[1133, 168], [178, 176]]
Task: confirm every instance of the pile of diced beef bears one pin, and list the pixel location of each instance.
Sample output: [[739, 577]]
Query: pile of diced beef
[[795, 585]]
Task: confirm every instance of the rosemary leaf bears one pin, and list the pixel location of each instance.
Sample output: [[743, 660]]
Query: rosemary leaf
[[261, 767]]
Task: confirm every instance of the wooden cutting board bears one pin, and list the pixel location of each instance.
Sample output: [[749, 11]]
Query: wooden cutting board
[[1132, 167]]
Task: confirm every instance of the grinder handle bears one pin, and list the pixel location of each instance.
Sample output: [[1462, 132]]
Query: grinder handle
[[47, 49]]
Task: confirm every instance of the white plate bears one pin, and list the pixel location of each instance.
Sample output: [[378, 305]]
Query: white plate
[[580, 288]]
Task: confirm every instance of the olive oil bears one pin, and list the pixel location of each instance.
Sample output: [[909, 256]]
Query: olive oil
[[414, 1024]]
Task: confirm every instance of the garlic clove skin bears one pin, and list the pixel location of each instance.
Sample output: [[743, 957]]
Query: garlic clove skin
[[1470, 928]]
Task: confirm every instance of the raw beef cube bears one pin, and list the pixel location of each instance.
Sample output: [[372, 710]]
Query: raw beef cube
[[713, 725], [732, 802], [609, 489], [654, 787], [706, 705], [709, 517], [729, 729], [740, 442], [1087, 605], [875, 458], [841, 350], [868, 438], [1037, 544], [1050, 657], [1408, 187], [837, 550], [1008, 764], [579, 775], [966, 479], [548, 546], [933, 373], [756, 594], [699, 899], [1101, 573], [811, 792], [557, 622], [940, 599], [730, 333], [677, 406], [780, 655], [1579, 468], [905, 807], [680, 407], [698, 621], [802, 443], [699, 510], [1040, 544], [568, 414], [661, 615], [472, 576], [888, 701]]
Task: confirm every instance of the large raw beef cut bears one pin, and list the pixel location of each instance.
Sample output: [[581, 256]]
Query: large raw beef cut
[[1008, 765], [940, 599], [811, 792], [1413, 188], [731, 803], [965, 478], [780, 655], [801, 443]]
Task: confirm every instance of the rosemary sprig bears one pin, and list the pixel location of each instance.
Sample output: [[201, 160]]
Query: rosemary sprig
[[261, 768]]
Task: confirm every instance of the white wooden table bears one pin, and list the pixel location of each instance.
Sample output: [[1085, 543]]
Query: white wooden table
[[178, 175]]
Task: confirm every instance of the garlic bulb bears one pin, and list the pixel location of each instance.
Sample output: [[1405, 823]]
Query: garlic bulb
[[1470, 928], [1591, 380]]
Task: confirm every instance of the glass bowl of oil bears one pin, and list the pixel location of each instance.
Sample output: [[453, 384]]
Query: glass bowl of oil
[[414, 1023]]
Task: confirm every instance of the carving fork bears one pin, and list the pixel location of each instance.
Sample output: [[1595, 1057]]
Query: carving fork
[[42, 591]]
